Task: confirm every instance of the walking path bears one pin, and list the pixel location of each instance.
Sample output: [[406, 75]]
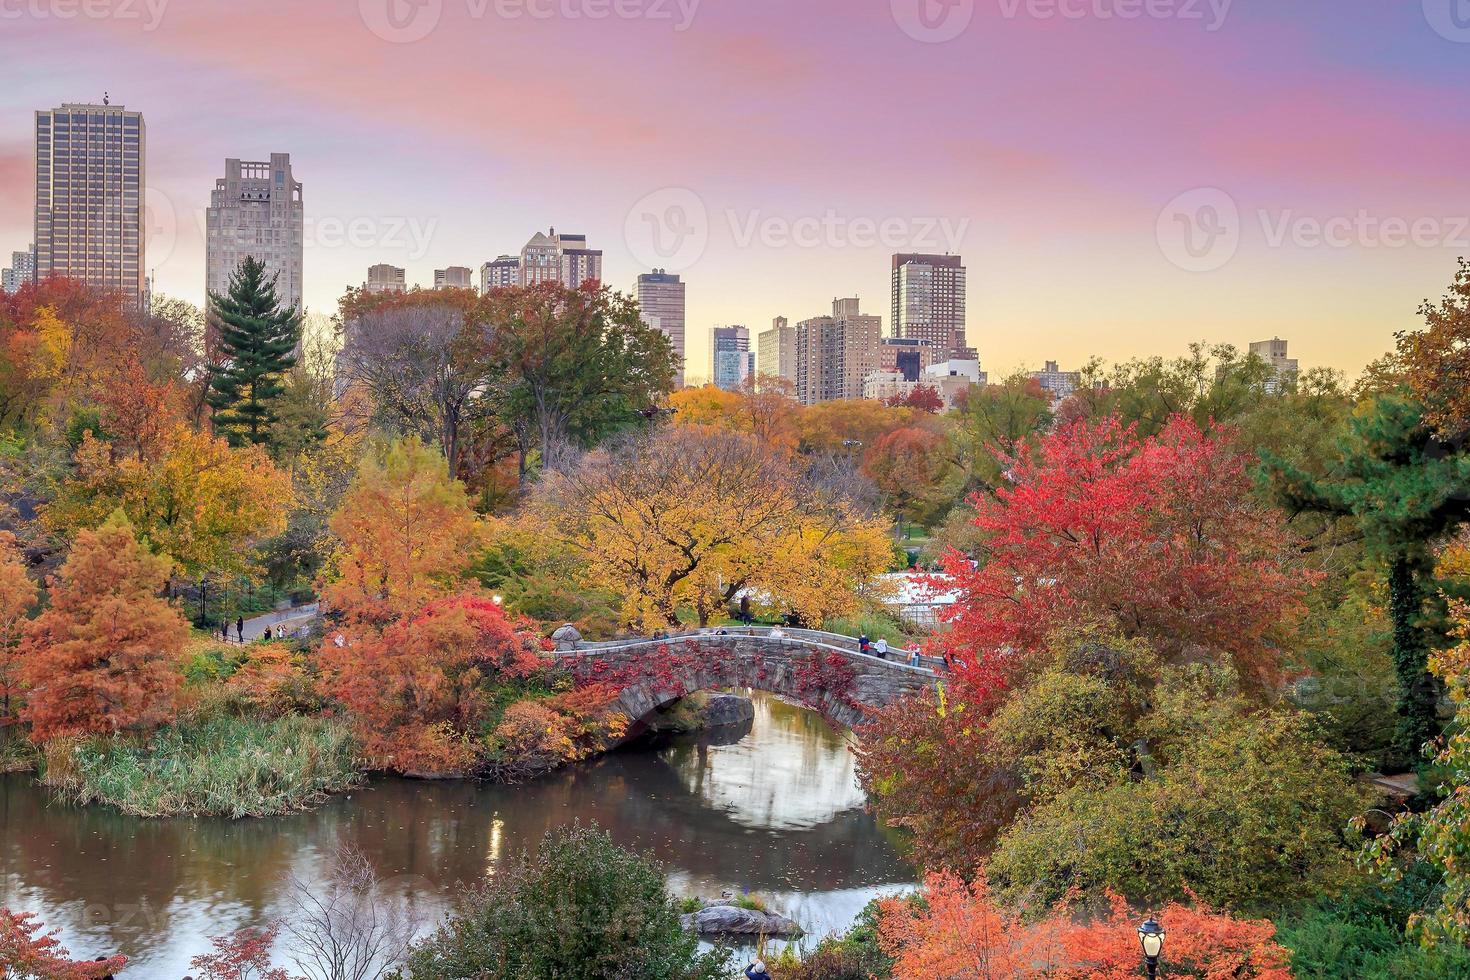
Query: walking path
[[288, 620]]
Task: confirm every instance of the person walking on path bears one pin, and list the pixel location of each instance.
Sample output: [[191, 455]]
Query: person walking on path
[[914, 655], [240, 628], [863, 643], [882, 646]]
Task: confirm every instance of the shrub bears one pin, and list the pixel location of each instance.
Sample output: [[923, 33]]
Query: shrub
[[581, 909]]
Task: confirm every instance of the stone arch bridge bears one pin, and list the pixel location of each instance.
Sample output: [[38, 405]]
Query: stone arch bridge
[[824, 671]]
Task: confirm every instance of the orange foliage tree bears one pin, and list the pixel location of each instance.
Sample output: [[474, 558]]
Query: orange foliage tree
[[418, 689], [17, 597], [104, 656], [407, 534], [961, 933]]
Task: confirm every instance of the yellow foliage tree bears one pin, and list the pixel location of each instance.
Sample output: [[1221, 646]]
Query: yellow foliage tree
[[199, 502], [406, 534], [17, 596], [689, 516]]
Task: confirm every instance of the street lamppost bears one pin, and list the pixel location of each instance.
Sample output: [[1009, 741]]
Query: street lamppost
[[1151, 938]]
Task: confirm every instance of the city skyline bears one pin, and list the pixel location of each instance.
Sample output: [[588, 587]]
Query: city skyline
[[1044, 187]]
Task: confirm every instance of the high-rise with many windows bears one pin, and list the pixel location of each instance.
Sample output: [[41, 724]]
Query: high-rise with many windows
[[834, 354], [90, 179], [504, 271], [22, 270], [776, 350], [929, 302], [385, 278], [255, 210], [454, 277], [661, 302], [559, 258], [731, 360]]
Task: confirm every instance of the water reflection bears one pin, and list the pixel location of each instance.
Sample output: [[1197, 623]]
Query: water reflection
[[778, 813]]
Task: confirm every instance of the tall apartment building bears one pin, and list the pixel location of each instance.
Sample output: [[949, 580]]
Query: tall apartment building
[[255, 210], [835, 353], [1284, 369], [90, 178], [21, 271], [503, 271], [906, 357], [559, 258], [384, 278], [1060, 383], [928, 300], [454, 277], [661, 302], [776, 351], [731, 361]]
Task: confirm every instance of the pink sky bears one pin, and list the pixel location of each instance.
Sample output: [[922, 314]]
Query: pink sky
[[1044, 142]]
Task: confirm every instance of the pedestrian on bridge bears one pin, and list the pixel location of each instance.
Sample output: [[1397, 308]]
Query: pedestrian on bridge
[[882, 646], [863, 643]]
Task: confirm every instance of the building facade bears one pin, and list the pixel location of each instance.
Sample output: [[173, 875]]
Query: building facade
[[928, 301], [21, 271], [905, 356], [1060, 383], [1284, 369], [661, 303], [255, 210], [559, 258], [776, 351], [384, 278], [454, 277], [731, 361], [835, 354], [90, 177], [504, 271]]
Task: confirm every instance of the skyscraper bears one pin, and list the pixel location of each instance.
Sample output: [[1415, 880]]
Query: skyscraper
[[929, 302], [454, 277], [834, 354], [776, 350], [504, 271], [1284, 369], [384, 278], [559, 258], [22, 270], [255, 210], [661, 300], [731, 360], [89, 197]]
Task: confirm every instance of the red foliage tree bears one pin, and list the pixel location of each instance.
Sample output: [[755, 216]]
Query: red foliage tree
[[104, 656], [24, 954], [17, 596], [961, 933], [1155, 538], [243, 955], [924, 398], [417, 688]]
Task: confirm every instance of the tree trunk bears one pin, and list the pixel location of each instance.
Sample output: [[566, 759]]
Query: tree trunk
[[1418, 694]]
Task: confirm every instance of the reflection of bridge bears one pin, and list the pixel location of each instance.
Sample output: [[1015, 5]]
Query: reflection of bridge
[[825, 671]]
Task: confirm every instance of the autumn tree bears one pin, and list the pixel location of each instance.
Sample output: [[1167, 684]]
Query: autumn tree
[[28, 954], [17, 598], [1437, 358], [991, 423], [912, 466], [258, 337], [199, 501], [406, 531], [690, 516], [579, 364], [847, 426], [103, 657], [961, 932], [242, 955], [419, 689], [1407, 491], [764, 407], [422, 360], [923, 398]]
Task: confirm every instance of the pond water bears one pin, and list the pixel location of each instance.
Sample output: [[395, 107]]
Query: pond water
[[778, 813]]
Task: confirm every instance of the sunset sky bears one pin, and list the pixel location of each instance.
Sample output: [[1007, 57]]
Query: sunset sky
[[776, 152]]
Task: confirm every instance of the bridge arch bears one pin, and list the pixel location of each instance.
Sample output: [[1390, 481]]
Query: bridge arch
[[824, 671]]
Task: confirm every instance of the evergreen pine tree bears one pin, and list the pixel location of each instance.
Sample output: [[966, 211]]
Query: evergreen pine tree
[[257, 345]]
